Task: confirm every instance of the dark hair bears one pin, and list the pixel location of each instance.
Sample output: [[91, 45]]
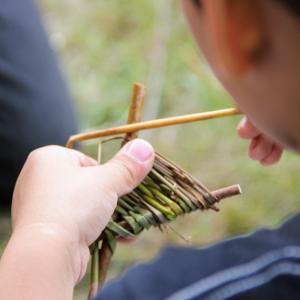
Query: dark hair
[[292, 5]]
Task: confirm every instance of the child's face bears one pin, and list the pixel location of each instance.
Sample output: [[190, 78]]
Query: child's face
[[253, 47]]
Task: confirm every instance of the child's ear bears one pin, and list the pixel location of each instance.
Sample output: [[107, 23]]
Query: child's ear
[[237, 31]]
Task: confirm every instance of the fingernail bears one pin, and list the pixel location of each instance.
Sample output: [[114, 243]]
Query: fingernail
[[139, 150], [242, 123]]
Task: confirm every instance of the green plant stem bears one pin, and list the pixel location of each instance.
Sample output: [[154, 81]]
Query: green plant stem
[[94, 271]]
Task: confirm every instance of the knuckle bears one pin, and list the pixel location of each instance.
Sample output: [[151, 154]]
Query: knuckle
[[35, 155], [39, 154], [126, 171]]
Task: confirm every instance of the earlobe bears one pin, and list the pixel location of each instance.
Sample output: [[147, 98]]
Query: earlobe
[[237, 32]]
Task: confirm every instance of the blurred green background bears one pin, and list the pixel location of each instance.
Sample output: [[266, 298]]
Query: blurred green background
[[106, 45]]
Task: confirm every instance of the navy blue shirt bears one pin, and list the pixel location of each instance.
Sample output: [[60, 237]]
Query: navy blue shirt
[[263, 265]]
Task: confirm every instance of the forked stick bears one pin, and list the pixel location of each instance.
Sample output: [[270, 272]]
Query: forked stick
[[152, 124]]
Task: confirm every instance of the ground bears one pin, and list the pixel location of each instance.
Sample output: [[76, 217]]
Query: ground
[[104, 46]]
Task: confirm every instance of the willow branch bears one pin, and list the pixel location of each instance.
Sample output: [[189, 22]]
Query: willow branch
[[152, 124]]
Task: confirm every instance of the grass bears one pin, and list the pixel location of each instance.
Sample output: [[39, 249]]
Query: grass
[[106, 45]]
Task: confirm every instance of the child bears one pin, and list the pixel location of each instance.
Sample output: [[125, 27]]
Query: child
[[253, 46]]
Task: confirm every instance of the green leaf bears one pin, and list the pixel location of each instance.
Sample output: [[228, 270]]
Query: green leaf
[[119, 230]]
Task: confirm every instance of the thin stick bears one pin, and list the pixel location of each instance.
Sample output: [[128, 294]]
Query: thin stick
[[95, 253], [105, 256], [227, 192], [134, 115], [153, 124], [136, 109], [94, 273]]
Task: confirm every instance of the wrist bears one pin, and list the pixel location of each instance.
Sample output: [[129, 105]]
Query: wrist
[[44, 238]]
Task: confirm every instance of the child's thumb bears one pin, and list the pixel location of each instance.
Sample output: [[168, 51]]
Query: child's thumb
[[128, 168]]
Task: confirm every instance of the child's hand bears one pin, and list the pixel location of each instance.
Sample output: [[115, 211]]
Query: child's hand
[[65, 194], [261, 147]]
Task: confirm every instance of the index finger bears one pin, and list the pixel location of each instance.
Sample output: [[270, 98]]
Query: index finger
[[247, 130]]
